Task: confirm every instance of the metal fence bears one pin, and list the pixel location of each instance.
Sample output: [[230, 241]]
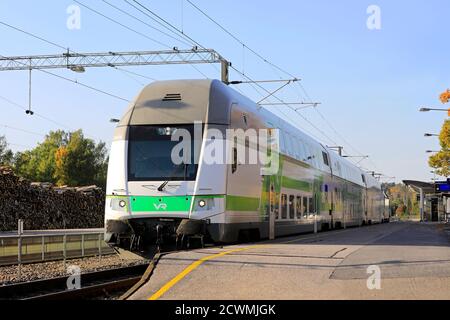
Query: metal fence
[[47, 245]]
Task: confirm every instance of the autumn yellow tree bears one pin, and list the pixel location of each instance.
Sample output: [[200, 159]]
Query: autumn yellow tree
[[60, 161], [445, 97], [441, 160]]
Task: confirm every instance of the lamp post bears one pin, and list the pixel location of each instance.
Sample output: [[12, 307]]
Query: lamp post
[[431, 151], [430, 135], [424, 109]]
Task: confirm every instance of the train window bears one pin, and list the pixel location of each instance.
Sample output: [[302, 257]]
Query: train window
[[144, 164], [291, 207], [311, 206], [325, 159], [305, 207], [283, 206], [298, 207], [234, 164], [244, 118]]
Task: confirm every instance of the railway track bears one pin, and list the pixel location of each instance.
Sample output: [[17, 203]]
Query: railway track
[[94, 285]]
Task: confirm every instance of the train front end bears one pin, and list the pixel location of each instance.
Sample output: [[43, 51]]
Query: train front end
[[159, 188]]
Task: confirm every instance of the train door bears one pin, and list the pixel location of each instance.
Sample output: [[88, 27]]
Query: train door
[[272, 212], [434, 210], [363, 215], [329, 194]]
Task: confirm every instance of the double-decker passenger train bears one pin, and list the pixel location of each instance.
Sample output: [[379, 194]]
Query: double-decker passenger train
[[150, 198]]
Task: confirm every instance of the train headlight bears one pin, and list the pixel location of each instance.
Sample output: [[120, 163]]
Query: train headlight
[[201, 203], [118, 204], [204, 204]]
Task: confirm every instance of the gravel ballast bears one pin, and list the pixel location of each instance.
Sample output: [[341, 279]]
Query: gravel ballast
[[53, 269]]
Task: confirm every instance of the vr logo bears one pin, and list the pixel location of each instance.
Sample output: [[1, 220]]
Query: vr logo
[[160, 206]]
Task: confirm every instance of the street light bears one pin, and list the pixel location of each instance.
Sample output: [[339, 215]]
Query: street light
[[434, 109], [431, 151], [431, 135], [77, 69], [114, 120]]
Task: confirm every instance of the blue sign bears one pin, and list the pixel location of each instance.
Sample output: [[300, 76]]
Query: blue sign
[[442, 186]]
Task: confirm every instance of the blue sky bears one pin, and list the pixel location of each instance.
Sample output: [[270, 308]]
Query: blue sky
[[370, 82]]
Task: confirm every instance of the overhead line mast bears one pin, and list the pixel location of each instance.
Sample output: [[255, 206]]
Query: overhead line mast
[[78, 61]]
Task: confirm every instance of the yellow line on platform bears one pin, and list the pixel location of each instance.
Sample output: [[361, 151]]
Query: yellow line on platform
[[191, 268]]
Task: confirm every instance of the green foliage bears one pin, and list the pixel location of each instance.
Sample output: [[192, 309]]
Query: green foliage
[[6, 155], [403, 200], [65, 158], [441, 160]]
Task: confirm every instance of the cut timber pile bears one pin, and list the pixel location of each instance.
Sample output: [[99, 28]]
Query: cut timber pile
[[43, 206]]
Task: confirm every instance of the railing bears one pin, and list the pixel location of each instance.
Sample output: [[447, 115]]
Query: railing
[[47, 245]]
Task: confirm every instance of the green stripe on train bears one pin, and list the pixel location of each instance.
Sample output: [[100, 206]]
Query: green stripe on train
[[173, 203], [239, 203], [168, 203], [290, 183], [183, 203]]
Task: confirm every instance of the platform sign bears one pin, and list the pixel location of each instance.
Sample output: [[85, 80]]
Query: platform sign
[[442, 186]]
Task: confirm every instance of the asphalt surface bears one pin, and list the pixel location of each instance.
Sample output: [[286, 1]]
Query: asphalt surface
[[413, 261]]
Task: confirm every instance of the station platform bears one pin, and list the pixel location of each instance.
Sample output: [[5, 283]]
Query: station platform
[[414, 262]]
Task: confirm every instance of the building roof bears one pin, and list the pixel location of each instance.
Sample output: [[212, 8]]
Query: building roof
[[427, 187]]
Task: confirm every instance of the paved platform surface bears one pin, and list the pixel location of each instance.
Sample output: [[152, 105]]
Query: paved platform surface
[[413, 258]]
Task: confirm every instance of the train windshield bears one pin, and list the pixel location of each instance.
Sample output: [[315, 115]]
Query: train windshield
[[151, 151]]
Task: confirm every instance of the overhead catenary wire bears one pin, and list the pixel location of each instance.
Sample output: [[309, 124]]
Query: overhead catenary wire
[[245, 46], [182, 32], [68, 79], [36, 113], [338, 134], [62, 47], [121, 24], [19, 145], [22, 130], [172, 28], [147, 24], [163, 22], [39, 115], [134, 31]]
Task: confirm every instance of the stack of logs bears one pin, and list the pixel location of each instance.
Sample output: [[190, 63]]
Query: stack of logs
[[43, 206]]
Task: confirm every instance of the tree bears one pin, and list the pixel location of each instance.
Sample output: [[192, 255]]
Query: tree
[[445, 97], [6, 155], [65, 158], [39, 164], [441, 160], [80, 161]]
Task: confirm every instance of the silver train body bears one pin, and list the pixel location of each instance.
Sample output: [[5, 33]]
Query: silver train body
[[147, 195]]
